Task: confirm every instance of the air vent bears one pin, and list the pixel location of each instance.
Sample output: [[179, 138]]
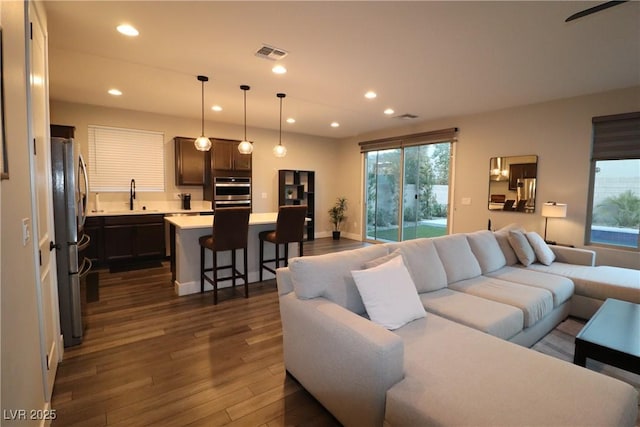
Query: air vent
[[406, 116], [270, 52]]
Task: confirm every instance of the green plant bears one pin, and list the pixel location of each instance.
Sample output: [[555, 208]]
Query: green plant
[[337, 213], [622, 210]]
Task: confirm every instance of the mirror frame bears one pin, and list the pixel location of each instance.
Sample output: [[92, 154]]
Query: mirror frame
[[512, 183]]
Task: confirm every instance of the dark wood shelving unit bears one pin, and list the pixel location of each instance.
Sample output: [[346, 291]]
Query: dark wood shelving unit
[[297, 187]]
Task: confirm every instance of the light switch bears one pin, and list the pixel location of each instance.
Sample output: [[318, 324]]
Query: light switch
[[26, 231], [264, 195], [466, 200]]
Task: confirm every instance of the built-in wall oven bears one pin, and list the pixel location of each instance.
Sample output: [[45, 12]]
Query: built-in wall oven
[[231, 191]]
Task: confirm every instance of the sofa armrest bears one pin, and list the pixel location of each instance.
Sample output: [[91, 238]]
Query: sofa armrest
[[344, 360], [577, 256], [284, 280]]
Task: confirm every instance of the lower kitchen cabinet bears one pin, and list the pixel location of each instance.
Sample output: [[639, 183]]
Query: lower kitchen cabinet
[[126, 238]]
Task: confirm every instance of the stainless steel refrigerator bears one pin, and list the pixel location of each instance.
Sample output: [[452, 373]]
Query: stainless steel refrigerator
[[69, 210]]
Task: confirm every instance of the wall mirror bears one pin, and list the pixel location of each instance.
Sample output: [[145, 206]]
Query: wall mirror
[[512, 183]]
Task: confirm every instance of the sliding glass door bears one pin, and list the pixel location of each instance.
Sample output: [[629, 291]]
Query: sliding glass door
[[407, 192], [382, 187]]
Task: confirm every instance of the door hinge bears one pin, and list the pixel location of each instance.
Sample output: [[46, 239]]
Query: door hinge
[[46, 357], [31, 30], [34, 147], [40, 254]]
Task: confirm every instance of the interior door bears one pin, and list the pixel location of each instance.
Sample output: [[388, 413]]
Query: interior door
[[47, 279]]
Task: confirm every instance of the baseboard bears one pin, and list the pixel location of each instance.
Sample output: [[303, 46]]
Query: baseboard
[[193, 287]]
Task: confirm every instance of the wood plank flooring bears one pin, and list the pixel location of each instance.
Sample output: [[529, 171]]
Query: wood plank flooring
[[150, 357]]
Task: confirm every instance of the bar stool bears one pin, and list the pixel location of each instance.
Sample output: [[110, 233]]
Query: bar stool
[[289, 229], [230, 232]]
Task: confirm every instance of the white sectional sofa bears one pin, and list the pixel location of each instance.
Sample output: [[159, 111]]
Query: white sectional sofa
[[459, 364]]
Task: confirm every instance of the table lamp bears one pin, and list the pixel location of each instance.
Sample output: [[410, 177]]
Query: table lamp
[[552, 210]]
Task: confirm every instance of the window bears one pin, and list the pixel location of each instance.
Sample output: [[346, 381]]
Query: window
[[614, 216], [116, 156], [407, 188]]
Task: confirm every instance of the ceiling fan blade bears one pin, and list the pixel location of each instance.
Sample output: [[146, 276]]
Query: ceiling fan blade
[[598, 8]]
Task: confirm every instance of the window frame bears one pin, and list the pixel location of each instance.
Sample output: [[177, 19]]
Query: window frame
[[626, 147]]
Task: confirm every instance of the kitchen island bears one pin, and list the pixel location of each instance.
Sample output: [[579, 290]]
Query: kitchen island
[[185, 251]]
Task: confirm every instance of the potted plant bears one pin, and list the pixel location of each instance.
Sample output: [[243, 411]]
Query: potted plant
[[337, 215], [289, 193]]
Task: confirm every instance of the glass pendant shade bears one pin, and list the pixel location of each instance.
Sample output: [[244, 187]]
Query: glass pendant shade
[[202, 143], [245, 147], [280, 150]]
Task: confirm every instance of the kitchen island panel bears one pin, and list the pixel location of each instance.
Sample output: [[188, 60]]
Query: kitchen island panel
[[188, 229]]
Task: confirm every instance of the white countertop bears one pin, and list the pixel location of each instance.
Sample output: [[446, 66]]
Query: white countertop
[[194, 212], [151, 208], [206, 221]]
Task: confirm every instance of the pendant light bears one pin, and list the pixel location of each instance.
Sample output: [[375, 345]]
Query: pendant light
[[245, 147], [280, 150], [202, 143]]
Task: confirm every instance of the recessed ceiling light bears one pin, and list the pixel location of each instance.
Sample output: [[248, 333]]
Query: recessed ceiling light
[[279, 69], [127, 30], [370, 95], [335, 124], [291, 120], [115, 92], [216, 108], [389, 111]]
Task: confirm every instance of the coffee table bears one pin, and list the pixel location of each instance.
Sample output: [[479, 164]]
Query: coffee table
[[612, 336]]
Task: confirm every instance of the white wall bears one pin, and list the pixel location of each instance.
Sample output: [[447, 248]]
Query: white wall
[[22, 386], [303, 152], [558, 132]]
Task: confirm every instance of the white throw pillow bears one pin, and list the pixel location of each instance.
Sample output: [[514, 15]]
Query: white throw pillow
[[389, 294], [521, 247], [543, 252]]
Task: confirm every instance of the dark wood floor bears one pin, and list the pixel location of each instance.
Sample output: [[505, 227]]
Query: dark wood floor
[[152, 358]]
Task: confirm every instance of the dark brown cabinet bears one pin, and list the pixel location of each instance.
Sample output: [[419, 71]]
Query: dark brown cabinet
[[297, 187], [521, 171], [125, 238], [189, 162], [224, 160], [227, 157]]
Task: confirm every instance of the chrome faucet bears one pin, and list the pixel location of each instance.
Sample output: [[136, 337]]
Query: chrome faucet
[[132, 193]]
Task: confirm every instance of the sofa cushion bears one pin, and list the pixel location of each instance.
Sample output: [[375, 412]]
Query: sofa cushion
[[457, 258], [521, 247], [330, 276], [388, 294], [457, 376], [497, 319], [535, 303], [543, 252], [424, 264], [503, 241], [487, 250], [599, 282], [560, 287], [379, 261]]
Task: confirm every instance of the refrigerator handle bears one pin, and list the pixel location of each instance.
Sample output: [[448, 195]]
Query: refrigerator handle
[[82, 170]]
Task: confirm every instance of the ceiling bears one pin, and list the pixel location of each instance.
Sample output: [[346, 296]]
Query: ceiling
[[430, 59]]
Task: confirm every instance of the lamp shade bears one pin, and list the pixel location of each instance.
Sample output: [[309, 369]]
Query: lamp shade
[[202, 143], [554, 210]]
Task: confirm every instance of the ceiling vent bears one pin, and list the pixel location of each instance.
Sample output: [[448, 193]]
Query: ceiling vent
[[270, 52], [406, 116]]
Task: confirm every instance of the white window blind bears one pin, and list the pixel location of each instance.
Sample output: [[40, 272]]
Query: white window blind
[[116, 156]]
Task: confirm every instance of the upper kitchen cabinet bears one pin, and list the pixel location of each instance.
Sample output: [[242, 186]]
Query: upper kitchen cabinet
[[227, 157], [224, 160], [189, 162]]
